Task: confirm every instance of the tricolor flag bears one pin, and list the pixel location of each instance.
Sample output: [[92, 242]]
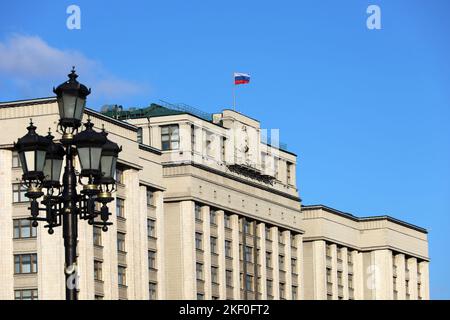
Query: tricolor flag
[[241, 78]]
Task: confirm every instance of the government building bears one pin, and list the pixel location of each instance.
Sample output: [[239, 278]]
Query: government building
[[206, 207]]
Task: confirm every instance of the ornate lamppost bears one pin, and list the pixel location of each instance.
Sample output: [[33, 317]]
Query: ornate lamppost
[[42, 161]]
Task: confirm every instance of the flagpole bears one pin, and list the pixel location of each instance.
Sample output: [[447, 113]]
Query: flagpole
[[234, 94]]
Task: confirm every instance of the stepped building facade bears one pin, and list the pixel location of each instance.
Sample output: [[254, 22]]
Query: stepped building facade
[[205, 208]]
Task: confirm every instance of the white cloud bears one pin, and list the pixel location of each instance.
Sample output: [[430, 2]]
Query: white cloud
[[29, 62]]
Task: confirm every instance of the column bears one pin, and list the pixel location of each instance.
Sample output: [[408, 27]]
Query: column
[[382, 274], [288, 264], [424, 271], [358, 275], [263, 273], [300, 267], [221, 252], [141, 252], [344, 253], [275, 261], [412, 266], [334, 270], [319, 270], [110, 259], [207, 250], [189, 280], [6, 227], [401, 285], [234, 219], [158, 198]]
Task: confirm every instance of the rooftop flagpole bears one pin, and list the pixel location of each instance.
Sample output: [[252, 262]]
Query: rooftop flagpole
[[234, 93]]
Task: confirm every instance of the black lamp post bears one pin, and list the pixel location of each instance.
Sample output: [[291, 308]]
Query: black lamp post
[[42, 161]]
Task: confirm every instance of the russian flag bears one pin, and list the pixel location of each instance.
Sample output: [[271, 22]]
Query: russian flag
[[241, 78]]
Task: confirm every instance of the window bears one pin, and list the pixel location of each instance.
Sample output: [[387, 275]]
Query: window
[[294, 265], [350, 281], [151, 228], [25, 263], [97, 236], [213, 217], [198, 241], [349, 257], [280, 237], [281, 261], [339, 254], [199, 271], [200, 296], [248, 254], [269, 285], [139, 135], [249, 282], [222, 147], [98, 297], [214, 275], [198, 212], [228, 249], [329, 275], [150, 200], [119, 175], [288, 172], [122, 275], [268, 233], [229, 278], [19, 193], [121, 241], [248, 227], [282, 291], [15, 160], [27, 294], [98, 268], [151, 260], [120, 208], [328, 250], [23, 229], [170, 137], [294, 292], [152, 291], [213, 245], [293, 242], [339, 278], [269, 259], [227, 221]]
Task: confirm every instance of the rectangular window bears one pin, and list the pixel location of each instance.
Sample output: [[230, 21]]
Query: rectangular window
[[269, 259], [120, 208], [19, 193], [152, 291], [121, 241], [200, 296], [215, 275], [339, 278], [15, 160], [223, 141], [213, 245], [97, 231], [152, 260], [119, 175], [27, 294], [282, 291], [294, 265], [198, 212], [249, 282], [289, 172], [213, 217], [268, 234], [23, 229], [122, 275], [280, 237], [328, 250], [329, 275], [150, 200], [349, 257], [139, 135], [227, 221], [198, 241], [170, 137], [293, 242], [229, 278], [281, 261], [193, 138], [98, 270], [294, 292], [248, 227], [199, 271], [228, 249], [151, 228], [269, 285], [350, 281], [25, 263], [248, 254]]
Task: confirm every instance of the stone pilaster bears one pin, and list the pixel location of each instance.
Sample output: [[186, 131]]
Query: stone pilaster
[[206, 226], [158, 198], [221, 254], [275, 261], [234, 220], [262, 259]]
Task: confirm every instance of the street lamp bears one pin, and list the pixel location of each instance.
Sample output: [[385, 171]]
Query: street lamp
[[42, 160]]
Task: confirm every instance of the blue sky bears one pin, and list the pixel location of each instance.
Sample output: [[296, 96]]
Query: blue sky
[[367, 111]]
